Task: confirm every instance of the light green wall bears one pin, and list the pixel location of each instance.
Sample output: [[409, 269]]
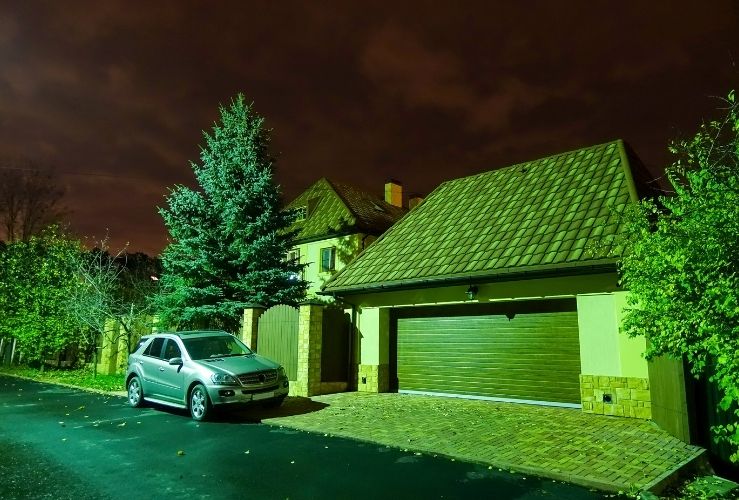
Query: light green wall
[[599, 347], [506, 290], [631, 349], [604, 349], [373, 328], [310, 254]]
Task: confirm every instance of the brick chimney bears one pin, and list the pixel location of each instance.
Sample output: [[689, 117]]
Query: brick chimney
[[394, 193], [414, 200]]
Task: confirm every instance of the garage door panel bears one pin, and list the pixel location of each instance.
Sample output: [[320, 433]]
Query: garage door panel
[[511, 391], [532, 356], [478, 384]]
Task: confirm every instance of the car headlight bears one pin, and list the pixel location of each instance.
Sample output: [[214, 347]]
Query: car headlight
[[281, 372], [223, 379]]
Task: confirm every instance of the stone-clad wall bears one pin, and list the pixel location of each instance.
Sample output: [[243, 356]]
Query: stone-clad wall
[[373, 378], [629, 396], [309, 350]]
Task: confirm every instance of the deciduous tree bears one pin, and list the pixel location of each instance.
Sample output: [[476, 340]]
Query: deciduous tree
[[681, 261], [36, 279], [30, 199]]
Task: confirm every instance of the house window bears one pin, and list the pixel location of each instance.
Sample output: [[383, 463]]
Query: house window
[[300, 213], [293, 256], [328, 259]]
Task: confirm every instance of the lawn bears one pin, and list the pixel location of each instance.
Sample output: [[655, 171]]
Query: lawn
[[82, 377]]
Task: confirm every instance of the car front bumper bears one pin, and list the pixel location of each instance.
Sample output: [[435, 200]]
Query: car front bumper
[[237, 394]]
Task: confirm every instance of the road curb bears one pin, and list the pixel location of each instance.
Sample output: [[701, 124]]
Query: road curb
[[698, 462]]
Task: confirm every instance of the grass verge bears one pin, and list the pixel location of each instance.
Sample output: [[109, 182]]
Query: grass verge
[[82, 377]]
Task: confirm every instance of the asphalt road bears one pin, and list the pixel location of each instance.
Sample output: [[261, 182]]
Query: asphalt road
[[62, 443]]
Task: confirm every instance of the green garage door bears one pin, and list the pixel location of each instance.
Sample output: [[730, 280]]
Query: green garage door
[[529, 352]]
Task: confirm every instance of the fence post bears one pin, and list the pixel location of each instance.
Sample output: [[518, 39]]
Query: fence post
[[310, 332], [250, 327], [12, 351]]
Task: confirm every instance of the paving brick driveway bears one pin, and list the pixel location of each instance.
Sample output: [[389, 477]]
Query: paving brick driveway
[[592, 450]]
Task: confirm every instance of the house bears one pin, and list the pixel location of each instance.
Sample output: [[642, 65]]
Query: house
[[504, 286], [335, 222]]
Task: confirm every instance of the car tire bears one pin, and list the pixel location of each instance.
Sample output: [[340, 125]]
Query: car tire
[[199, 403], [135, 392], [273, 403]]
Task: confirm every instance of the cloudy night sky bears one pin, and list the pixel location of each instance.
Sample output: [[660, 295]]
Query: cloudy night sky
[[115, 95]]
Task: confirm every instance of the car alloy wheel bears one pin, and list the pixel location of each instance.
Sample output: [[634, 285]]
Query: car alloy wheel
[[135, 394], [199, 403]]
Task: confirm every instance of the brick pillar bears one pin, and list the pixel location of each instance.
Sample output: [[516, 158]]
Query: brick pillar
[[310, 333], [250, 327], [154, 324], [108, 351]]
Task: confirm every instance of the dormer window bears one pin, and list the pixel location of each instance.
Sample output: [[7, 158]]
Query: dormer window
[[300, 213], [378, 207]]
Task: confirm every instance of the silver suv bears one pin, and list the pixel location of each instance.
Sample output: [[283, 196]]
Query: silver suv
[[199, 370]]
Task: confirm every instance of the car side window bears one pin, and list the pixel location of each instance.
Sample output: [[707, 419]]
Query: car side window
[[139, 344], [155, 348], [172, 350]]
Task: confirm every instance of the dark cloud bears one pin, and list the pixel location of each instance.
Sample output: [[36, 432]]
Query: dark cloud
[[419, 91]]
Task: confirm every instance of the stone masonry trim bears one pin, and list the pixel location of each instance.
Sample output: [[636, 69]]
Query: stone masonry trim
[[629, 396]]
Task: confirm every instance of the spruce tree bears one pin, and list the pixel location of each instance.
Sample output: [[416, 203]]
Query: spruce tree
[[229, 239]]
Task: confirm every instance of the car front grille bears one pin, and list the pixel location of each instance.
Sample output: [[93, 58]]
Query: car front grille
[[258, 379]]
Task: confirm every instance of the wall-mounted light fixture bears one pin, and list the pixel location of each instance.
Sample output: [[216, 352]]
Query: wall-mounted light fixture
[[472, 292]]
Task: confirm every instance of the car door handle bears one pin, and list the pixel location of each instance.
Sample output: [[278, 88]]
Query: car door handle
[[161, 368]]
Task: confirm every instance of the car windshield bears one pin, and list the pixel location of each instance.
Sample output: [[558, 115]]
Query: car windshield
[[215, 347]]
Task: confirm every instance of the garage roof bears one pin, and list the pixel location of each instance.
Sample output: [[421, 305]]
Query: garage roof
[[533, 217]]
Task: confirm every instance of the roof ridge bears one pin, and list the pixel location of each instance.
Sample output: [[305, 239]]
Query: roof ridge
[[348, 206], [508, 167]]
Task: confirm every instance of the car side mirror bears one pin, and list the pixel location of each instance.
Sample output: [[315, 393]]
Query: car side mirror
[[175, 361]]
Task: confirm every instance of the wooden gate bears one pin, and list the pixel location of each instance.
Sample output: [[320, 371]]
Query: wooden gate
[[335, 345], [278, 337]]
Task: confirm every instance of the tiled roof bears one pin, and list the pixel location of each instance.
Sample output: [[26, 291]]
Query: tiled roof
[[536, 216], [336, 208]]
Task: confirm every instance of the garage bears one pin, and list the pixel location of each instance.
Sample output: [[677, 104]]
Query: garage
[[524, 351]]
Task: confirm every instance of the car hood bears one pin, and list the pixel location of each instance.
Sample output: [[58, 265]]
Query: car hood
[[238, 365]]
